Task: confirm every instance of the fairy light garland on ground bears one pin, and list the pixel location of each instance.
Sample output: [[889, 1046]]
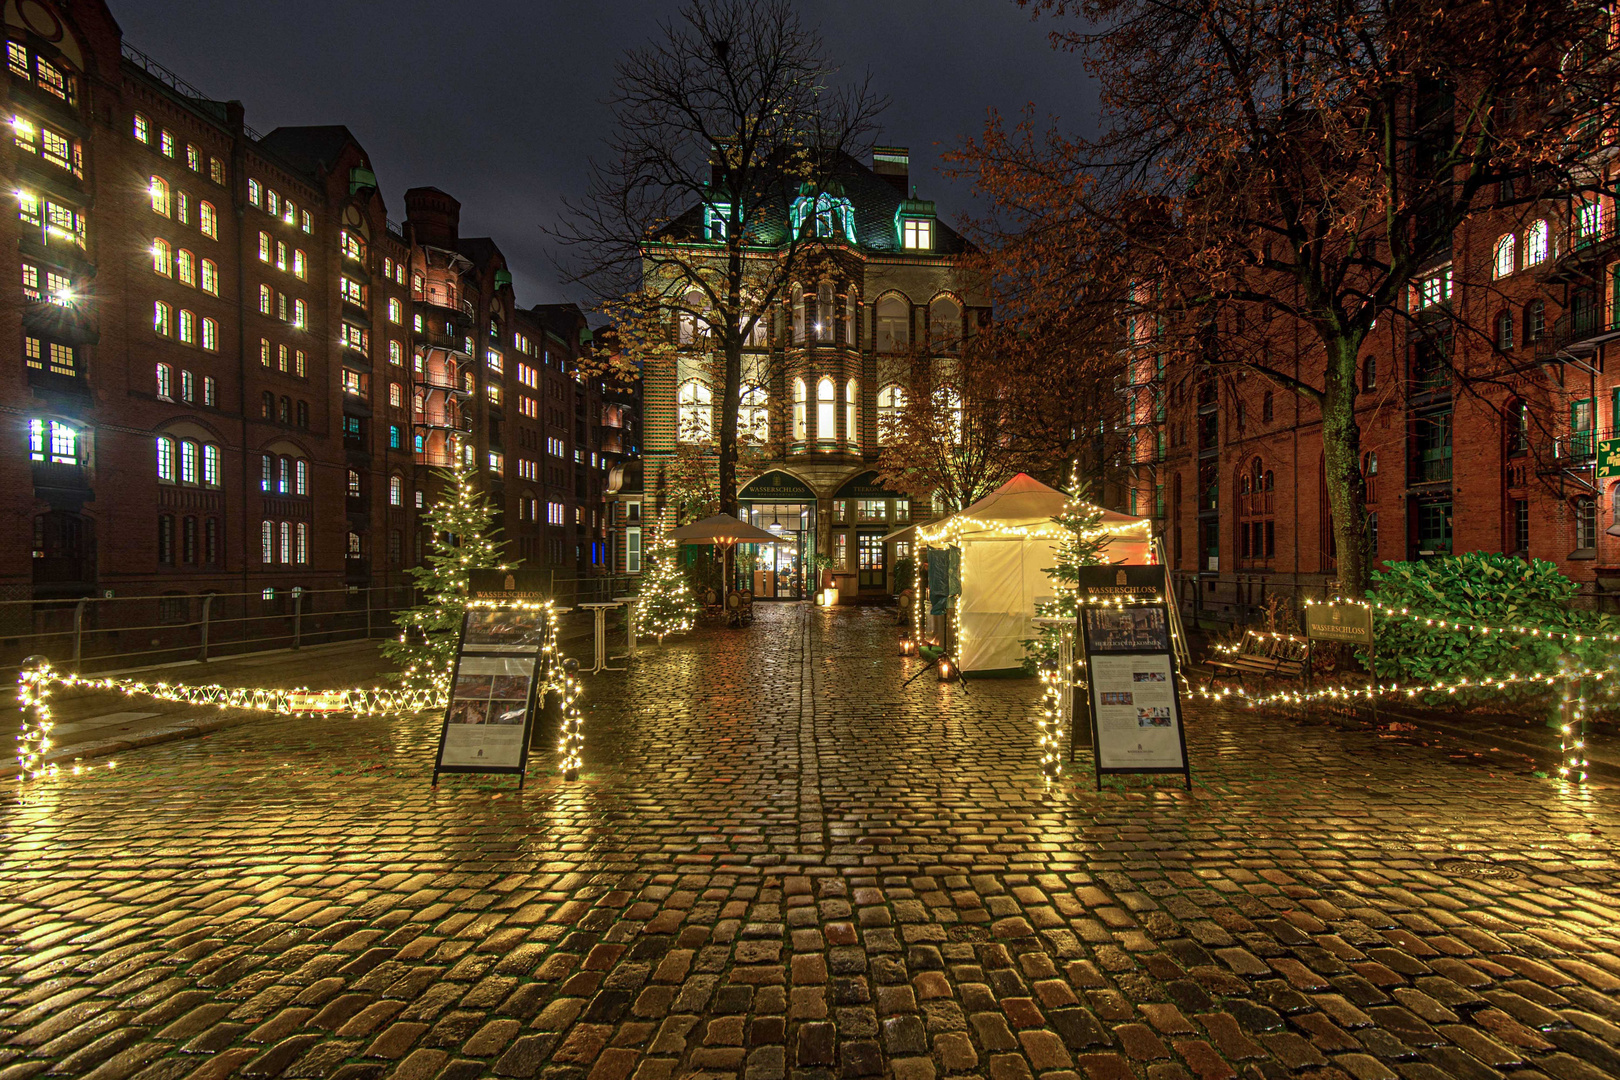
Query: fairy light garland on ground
[[34, 684]]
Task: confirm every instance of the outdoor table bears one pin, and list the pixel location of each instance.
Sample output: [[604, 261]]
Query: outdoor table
[[630, 603], [601, 610]]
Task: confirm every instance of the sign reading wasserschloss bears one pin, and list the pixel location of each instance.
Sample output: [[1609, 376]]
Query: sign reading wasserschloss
[[508, 586], [1339, 622]]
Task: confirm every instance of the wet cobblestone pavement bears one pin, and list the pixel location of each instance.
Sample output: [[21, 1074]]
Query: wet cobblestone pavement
[[780, 865]]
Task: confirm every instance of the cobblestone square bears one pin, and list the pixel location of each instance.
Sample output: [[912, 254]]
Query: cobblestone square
[[778, 864]]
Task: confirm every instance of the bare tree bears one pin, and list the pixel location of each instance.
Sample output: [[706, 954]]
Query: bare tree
[[1268, 171], [720, 186]]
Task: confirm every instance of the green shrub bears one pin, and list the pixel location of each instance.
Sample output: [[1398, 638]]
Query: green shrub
[[1491, 590]]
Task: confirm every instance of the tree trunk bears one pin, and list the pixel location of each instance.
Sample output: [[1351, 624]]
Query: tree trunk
[[730, 398], [1341, 463]]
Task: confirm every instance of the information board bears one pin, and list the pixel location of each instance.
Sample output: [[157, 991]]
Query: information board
[[1134, 695], [490, 715]]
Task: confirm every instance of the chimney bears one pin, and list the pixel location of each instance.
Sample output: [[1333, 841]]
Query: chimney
[[893, 163], [434, 217]]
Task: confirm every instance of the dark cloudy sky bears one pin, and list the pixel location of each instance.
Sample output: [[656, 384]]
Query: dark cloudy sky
[[500, 104]]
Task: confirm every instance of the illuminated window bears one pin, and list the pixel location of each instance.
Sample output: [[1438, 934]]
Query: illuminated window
[[210, 465], [688, 325], [281, 256], [272, 203], [185, 265], [300, 477], [159, 192], [352, 291], [208, 220], [396, 395], [166, 143], [891, 411], [300, 314], [1506, 261], [396, 353], [799, 407], [143, 130], [826, 411], [210, 277], [948, 406], [1535, 244], [852, 412], [182, 207], [301, 365], [210, 335], [918, 234], [161, 259], [216, 170], [695, 412], [161, 319], [798, 314], [306, 222], [188, 327], [266, 299], [303, 543], [1432, 290], [188, 461], [53, 441], [255, 192], [753, 415], [300, 266], [210, 390], [165, 458], [396, 491]]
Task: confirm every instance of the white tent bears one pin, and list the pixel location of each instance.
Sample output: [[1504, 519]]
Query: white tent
[[1009, 539]]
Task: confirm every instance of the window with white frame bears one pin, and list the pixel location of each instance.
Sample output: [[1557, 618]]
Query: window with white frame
[[891, 411], [826, 411], [695, 412]]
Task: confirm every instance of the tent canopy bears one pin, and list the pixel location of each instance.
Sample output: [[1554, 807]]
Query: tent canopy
[[722, 529], [1023, 507]]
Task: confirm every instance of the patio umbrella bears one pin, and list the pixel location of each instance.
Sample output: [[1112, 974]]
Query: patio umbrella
[[722, 529]]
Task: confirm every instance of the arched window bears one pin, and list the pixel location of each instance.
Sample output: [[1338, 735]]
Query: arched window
[[284, 480], [753, 415], [185, 265], [267, 405], [210, 277], [826, 313], [161, 263], [1535, 244], [798, 315], [1518, 428], [1504, 331], [1369, 474], [686, 322], [944, 325], [300, 476], [159, 190], [396, 395], [799, 406], [143, 129], [165, 381], [893, 324], [849, 320], [1267, 404], [396, 310], [210, 466], [396, 491], [948, 405], [165, 458], [1506, 260], [208, 220], [266, 298], [1257, 527], [695, 411], [826, 411], [852, 412], [1535, 320], [891, 411], [188, 461], [188, 327]]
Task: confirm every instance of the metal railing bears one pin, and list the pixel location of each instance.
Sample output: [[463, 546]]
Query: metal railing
[[97, 634]]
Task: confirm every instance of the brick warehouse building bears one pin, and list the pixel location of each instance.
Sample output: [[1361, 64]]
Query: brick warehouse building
[[831, 367], [1530, 300], [235, 372]]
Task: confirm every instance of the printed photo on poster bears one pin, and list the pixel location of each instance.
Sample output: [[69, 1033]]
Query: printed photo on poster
[[489, 703], [1139, 628], [502, 631], [1134, 709]]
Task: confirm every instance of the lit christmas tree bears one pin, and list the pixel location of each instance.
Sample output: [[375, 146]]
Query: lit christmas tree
[[666, 605], [463, 540]]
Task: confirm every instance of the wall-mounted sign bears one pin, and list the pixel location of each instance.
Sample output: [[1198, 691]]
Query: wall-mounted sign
[[777, 486], [1608, 459], [865, 486]]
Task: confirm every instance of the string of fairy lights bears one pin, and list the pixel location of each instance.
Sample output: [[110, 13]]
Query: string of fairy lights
[[34, 685]]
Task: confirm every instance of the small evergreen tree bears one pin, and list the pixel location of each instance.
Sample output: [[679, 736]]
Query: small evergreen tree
[[1083, 547], [666, 605], [463, 540]]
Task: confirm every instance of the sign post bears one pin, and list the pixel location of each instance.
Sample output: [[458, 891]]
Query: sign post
[[490, 715], [1349, 623], [1131, 675]]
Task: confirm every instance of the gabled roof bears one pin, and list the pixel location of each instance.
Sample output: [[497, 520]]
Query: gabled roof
[[874, 200], [310, 150]]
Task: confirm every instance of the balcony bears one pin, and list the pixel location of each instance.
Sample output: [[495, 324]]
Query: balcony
[[436, 335], [439, 457], [447, 379], [1578, 333], [443, 420], [1431, 467], [1589, 244], [439, 303]]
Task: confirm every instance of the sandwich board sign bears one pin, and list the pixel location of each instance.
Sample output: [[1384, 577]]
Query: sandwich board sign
[[494, 684], [1134, 697]]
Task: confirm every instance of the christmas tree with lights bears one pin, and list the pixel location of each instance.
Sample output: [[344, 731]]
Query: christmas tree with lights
[[1083, 547], [463, 539], [666, 605]]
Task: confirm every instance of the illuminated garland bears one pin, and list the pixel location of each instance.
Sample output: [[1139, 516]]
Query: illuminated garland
[[1348, 693], [666, 605], [1456, 624], [558, 675]]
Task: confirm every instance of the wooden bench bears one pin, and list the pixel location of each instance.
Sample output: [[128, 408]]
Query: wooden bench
[[1262, 655]]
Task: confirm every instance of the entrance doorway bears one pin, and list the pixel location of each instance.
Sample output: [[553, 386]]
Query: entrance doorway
[[779, 568], [869, 550]]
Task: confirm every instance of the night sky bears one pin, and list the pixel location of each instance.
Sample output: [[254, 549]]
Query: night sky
[[501, 105]]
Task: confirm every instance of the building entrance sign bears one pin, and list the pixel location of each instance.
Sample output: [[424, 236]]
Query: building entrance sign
[[1134, 696], [776, 486]]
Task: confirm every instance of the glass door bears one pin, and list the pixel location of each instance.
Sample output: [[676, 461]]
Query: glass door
[[869, 551]]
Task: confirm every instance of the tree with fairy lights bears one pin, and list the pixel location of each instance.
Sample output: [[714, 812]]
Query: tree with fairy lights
[[463, 540], [1083, 547], [666, 605]]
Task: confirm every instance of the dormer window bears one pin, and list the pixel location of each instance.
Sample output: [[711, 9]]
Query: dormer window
[[833, 215], [715, 220], [917, 234]]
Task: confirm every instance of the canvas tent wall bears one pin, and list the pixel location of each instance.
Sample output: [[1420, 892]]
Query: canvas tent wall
[[1008, 540]]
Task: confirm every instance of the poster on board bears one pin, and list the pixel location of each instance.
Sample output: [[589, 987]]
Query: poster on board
[[1134, 695], [489, 718]]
